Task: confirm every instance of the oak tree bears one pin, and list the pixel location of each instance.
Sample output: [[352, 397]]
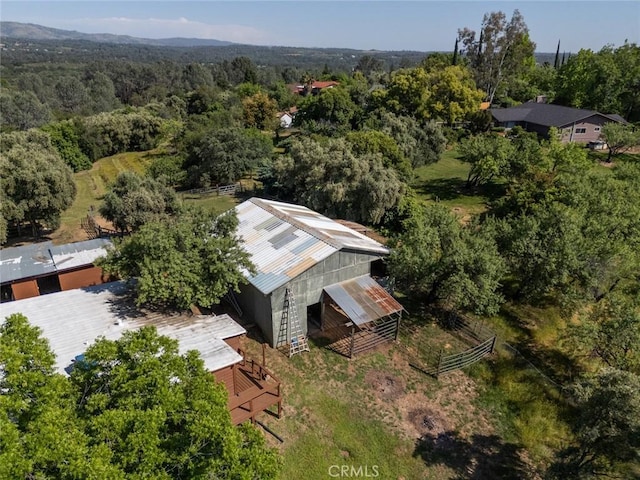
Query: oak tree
[[37, 183], [620, 138], [194, 258], [330, 178], [446, 263], [133, 201]]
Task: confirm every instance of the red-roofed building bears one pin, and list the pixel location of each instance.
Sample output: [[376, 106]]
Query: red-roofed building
[[314, 88]]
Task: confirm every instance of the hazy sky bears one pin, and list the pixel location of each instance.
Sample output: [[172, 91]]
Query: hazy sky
[[382, 25]]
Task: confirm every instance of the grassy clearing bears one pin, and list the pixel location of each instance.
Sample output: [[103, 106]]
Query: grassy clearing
[[500, 419], [523, 383], [331, 417], [210, 202], [445, 182], [91, 186], [621, 158]]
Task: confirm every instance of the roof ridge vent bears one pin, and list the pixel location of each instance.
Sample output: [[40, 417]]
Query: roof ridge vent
[[297, 223]]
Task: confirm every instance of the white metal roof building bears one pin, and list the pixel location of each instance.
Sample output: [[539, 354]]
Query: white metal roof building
[[294, 247], [74, 319]]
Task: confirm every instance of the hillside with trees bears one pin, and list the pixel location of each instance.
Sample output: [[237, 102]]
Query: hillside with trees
[[533, 238]]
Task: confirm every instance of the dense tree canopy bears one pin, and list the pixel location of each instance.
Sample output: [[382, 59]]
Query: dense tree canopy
[[607, 428], [488, 155], [66, 139], [444, 262], [106, 134], [37, 184], [448, 94], [452, 94], [330, 178], [612, 332], [22, 110], [194, 258], [224, 155], [420, 144], [133, 201], [606, 81], [374, 141], [260, 111], [42, 436], [331, 112], [133, 408], [579, 241]]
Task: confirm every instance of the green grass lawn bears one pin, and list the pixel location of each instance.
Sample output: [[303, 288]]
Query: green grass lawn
[[210, 202], [523, 383], [91, 186], [445, 182], [623, 157], [331, 417]]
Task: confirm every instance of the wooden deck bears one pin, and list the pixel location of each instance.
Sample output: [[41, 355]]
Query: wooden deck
[[252, 389]]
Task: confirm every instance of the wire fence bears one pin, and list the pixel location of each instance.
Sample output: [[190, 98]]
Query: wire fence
[[218, 190]]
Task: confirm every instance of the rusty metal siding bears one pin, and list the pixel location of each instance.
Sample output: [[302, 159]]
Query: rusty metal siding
[[25, 289], [84, 277]]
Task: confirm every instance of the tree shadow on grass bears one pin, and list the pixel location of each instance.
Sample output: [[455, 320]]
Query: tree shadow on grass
[[478, 458], [443, 188], [553, 362], [456, 188]]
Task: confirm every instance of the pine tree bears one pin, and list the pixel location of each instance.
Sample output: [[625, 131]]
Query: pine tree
[[556, 63]]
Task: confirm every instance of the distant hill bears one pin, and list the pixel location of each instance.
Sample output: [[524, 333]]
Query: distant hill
[[30, 31]]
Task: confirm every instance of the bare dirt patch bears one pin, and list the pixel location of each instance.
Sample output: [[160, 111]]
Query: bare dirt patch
[[386, 386], [425, 420]]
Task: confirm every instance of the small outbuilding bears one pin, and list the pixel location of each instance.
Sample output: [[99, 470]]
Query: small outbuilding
[[359, 314], [42, 268]]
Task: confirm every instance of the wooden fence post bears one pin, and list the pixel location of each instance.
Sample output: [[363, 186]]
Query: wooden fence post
[[353, 340]]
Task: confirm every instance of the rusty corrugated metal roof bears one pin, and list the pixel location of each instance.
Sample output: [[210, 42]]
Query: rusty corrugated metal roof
[[363, 300], [284, 240]]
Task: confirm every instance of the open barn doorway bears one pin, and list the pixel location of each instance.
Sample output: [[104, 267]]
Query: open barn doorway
[[314, 316]]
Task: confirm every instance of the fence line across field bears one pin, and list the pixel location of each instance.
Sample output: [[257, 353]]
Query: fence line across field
[[219, 190]]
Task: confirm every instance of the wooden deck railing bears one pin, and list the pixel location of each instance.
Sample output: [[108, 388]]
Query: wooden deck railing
[[255, 389]]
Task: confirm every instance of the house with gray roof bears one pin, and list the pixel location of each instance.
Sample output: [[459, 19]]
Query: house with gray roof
[[574, 124], [305, 258]]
